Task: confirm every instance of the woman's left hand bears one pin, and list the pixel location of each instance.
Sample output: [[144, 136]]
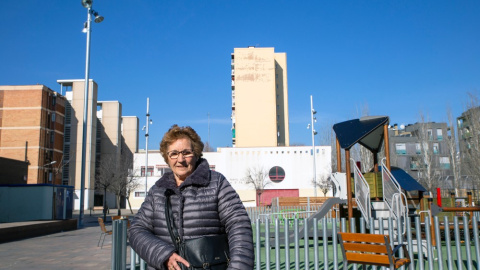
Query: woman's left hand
[[173, 261]]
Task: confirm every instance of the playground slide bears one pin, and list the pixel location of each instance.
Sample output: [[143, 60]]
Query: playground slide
[[324, 209]]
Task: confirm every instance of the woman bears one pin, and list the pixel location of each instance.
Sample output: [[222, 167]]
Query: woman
[[203, 203]]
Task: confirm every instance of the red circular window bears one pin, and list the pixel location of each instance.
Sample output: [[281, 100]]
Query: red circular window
[[276, 174]]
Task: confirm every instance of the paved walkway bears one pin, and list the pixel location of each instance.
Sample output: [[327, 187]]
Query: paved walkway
[[66, 250]]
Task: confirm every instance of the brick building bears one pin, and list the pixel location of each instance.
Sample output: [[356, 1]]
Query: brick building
[[31, 129]]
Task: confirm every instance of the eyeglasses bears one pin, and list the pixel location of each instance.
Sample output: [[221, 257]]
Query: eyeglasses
[[186, 153]]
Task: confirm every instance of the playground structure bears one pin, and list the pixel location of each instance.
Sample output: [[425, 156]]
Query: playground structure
[[375, 195], [379, 184]]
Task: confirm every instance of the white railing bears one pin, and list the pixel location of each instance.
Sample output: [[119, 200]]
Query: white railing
[[393, 196], [362, 193]]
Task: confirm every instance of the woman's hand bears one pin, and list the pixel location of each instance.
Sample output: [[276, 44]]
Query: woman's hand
[[172, 263]]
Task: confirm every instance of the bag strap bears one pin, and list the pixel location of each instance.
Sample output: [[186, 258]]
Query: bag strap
[[169, 218]]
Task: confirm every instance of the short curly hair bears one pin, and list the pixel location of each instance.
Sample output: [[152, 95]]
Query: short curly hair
[[175, 133]]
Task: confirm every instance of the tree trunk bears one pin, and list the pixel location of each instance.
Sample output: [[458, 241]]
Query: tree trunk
[[119, 211], [129, 205]]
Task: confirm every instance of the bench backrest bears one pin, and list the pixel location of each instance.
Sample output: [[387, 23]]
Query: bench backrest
[[372, 249], [102, 226]]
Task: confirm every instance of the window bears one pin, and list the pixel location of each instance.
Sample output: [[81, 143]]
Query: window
[[435, 148], [439, 134], [415, 164], [162, 169], [149, 171], [418, 149], [139, 194], [445, 163], [430, 134], [401, 149], [276, 174]]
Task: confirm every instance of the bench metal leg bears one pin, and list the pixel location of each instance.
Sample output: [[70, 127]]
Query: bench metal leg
[[98, 244]]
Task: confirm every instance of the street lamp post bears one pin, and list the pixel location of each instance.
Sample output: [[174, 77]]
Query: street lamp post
[[88, 5], [149, 122], [49, 171], [313, 119]]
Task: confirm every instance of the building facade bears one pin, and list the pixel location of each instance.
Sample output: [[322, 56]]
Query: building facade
[[104, 138], [416, 146], [73, 140], [289, 169], [259, 98], [32, 129], [468, 127]]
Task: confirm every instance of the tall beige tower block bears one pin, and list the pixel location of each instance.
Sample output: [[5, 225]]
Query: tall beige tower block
[[259, 98], [74, 138]]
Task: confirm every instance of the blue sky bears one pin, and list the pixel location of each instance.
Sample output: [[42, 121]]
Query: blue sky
[[398, 58]]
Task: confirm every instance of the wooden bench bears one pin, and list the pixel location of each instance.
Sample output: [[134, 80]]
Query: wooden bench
[[371, 249]]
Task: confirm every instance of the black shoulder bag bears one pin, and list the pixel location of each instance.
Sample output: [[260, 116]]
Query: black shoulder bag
[[206, 252]]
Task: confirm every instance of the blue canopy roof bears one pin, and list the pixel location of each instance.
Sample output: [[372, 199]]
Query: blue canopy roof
[[367, 131], [405, 180]]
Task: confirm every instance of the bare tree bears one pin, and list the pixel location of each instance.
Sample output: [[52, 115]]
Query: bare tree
[[125, 180], [133, 177], [257, 177], [359, 152], [327, 137], [208, 148], [470, 138], [105, 177], [452, 150], [427, 160], [324, 183]]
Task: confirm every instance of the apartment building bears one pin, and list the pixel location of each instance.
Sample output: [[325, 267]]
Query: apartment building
[[468, 127], [32, 129], [408, 144], [105, 137], [259, 98]]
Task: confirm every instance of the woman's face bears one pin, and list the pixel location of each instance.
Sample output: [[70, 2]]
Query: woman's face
[[181, 166]]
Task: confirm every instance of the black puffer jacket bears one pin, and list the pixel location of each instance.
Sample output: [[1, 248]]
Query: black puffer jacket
[[204, 204]]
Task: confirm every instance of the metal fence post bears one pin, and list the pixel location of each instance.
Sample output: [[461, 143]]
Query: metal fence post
[[119, 244]]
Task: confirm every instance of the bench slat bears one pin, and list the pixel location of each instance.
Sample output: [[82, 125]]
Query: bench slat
[[381, 260], [361, 237], [381, 249]]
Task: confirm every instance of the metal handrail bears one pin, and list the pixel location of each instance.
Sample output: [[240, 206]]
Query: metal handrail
[[399, 203], [362, 194], [395, 193]]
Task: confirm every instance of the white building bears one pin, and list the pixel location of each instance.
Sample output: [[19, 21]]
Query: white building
[[290, 168]]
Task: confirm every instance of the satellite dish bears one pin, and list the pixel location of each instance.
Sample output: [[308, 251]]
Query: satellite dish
[[402, 126], [87, 3]]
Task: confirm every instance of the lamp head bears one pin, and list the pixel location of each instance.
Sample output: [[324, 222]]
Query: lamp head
[[85, 28], [51, 163], [87, 3], [98, 18]]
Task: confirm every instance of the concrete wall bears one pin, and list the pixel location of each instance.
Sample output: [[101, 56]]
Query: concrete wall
[[296, 161]]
